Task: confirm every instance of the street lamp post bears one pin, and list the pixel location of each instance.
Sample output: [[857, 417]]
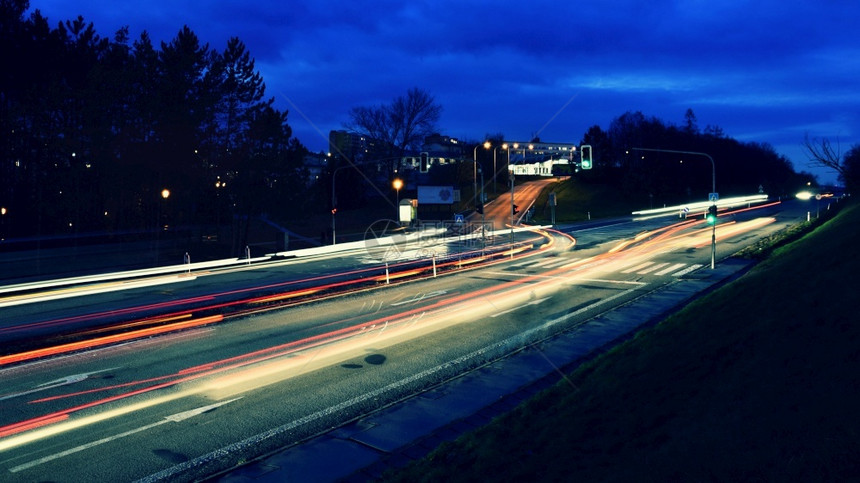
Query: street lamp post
[[507, 147], [397, 184], [165, 193], [495, 149], [480, 202], [512, 206], [3, 212], [486, 145], [713, 190]]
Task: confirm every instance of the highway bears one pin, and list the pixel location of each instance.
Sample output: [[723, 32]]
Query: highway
[[272, 377]]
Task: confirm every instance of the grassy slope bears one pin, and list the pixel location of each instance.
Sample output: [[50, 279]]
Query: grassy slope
[[577, 199], [760, 380]]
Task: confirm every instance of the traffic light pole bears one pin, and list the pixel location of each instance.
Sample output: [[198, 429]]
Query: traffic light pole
[[713, 190], [512, 211]]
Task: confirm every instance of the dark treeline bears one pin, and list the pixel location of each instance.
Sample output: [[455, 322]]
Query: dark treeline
[[741, 168], [95, 129]]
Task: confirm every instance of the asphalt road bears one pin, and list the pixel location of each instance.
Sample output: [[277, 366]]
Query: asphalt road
[[123, 412]]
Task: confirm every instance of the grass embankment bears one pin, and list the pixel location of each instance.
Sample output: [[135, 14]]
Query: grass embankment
[[579, 201], [757, 381]]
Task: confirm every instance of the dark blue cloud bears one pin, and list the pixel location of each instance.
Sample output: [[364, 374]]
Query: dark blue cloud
[[767, 71]]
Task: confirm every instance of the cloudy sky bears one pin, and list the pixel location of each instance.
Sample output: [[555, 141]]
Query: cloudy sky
[[766, 71]]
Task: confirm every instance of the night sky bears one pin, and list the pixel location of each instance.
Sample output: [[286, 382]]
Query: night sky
[[766, 71]]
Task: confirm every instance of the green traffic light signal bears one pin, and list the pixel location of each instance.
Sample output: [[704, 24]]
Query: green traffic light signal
[[585, 153], [711, 216]]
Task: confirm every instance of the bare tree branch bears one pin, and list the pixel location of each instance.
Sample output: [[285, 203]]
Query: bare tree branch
[[401, 125], [822, 154]]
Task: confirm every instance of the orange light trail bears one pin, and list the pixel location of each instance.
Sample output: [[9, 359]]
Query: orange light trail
[[200, 371], [111, 339], [32, 424]]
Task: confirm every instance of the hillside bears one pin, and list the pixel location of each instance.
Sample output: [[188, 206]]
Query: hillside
[[759, 380]]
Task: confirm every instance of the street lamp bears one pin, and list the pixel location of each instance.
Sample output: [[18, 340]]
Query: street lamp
[[713, 190], [397, 184], [495, 149], [486, 145], [165, 193], [159, 222]]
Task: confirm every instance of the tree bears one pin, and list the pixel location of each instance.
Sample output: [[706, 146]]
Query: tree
[[241, 90], [690, 124], [822, 154], [396, 127], [851, 166]]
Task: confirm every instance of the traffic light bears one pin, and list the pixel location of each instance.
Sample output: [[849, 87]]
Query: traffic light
[[585, 153], [425, 162], [516, 209], [711, 216]]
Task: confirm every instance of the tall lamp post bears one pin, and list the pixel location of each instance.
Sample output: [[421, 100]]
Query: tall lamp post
[[480, 201], [165, 193], [511, 175], [507, 147], [486, 145], [3, 212], [713, 190], [495, 150], [397, 184]]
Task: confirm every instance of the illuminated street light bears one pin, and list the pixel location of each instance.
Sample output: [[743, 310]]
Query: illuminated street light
[[479, 202], [713, 191], [397, 184], [165, 193]]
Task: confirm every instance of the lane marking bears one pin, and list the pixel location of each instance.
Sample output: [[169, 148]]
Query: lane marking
[[533, 302], [548, 262], [671, 269], [173, 418], [652, 268], [637, 267], [687, 270], [563, 261], [420, 297], [56, 383], [621, 282], [522, 264]]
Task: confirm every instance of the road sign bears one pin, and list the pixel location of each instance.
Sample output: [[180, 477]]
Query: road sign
[[459, 218], [713, 197]]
